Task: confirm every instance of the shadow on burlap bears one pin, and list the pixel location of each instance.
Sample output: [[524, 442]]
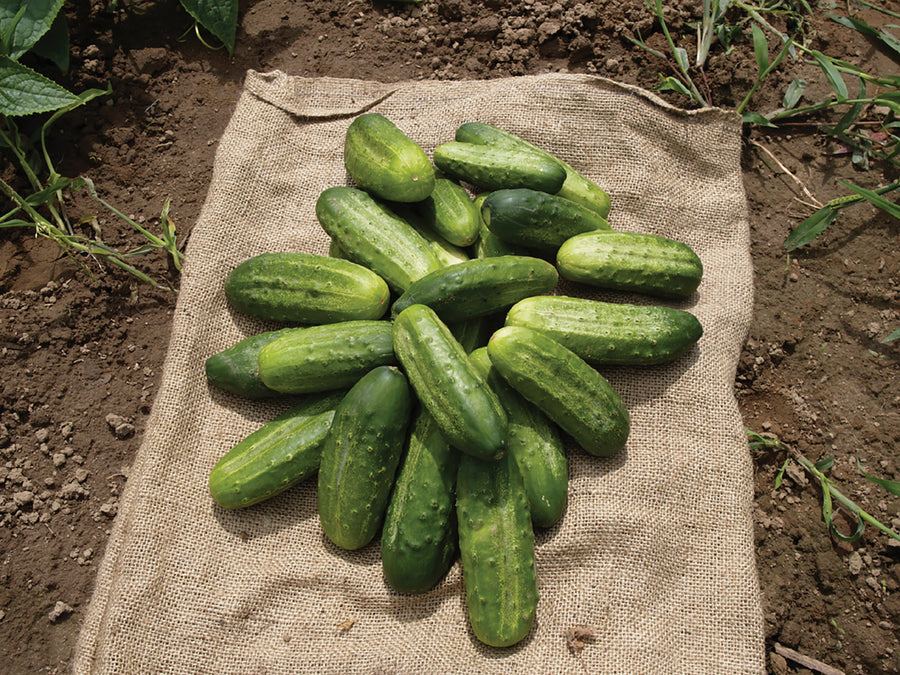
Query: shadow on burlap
[[655, 551]]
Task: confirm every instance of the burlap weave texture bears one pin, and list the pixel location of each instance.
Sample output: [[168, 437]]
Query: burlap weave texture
[[655, 551]]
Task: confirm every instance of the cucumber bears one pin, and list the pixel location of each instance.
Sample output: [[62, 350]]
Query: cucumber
[[535, 445], [537, 220], [489, 245], [361, 455], [463, 405], [576, 187], [386, 162], [306, 288], [235, 369], [444, 251], [495, 168], [375, 237], [496, 545], [322, 358], [604, 333], [631, 261], [276, 456], [474, 332], [419, 540], [564, 386], [450, 212], [479, 287]]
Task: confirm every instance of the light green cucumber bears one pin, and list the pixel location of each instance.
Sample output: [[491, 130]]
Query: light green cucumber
[[419, 540], [450, 212], [606, 333], [386, 162], [631, 261], [461, 402], [444, 251], [495, 168], [322, 358], [496, 545], [361, 455], [275, 457], [564, 386]]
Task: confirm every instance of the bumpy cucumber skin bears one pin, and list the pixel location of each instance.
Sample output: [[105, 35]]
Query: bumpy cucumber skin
[[322, 358], [605, 333], [495, 168], [236, 370], [537, 220], [576, 187], [360, 457], [474, 332], [464, 406], [631, 261], [451, 213], [535, 444], [306, 288], [419, 540], [385, 161], [373, 236], [496, 544], [444, 251], [275, 457], [564, 386], [479, 287]]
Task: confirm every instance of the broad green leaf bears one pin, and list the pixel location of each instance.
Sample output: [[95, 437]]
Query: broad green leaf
[[672, 84], [43, 196], [54, 44], [760, 48], [875, 199], [892, 486], [831, 74], [794, 92], [37, 19], [810, 228], [24, 92], [756, 118], [681, 56], [219, 17], [893, 336]]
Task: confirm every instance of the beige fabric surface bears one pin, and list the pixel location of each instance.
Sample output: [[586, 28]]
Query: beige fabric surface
[[655, 551]]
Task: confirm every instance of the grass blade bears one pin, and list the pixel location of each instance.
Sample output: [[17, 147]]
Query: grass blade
[[760, 48], [831, 74], [875, 199], [794, 92], [893, 336], [810, 228], [888, 40], [892, 486]]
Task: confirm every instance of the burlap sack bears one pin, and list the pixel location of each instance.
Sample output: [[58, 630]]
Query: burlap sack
[[655, 552]]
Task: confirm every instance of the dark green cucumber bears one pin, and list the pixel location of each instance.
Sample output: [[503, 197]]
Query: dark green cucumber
[[474, 332], [610, 333], [564, 386], [496, 545], [576, 187], [535, 444], [306, 288], [385, 161], [236, 370], [464, 406], [450, 212], [275, 457], [630, 261], [375, 237], [479, 287], [495, 168], [361, 455], [321, 358], [444, 251], [489, 245], [419, 540], [537, 220]]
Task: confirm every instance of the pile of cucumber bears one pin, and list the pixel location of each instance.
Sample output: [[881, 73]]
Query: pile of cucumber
[[437, 374]]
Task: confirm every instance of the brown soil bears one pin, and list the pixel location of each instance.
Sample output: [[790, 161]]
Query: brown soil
[[82, 355]]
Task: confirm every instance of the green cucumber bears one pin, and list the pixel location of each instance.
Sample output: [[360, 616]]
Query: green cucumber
[[276, 456], [464, 406], [495, 168], [631, 261], [321, 358], [535, 445], [361, 455], [564, 386], [576, 187], [474, 332], [537, 220], [306, 288], [444, 251], [419, 540], [479, 287], [605, 333], [386, 162], [496, 545], [450, 212], [236, 370], [375, 237]]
